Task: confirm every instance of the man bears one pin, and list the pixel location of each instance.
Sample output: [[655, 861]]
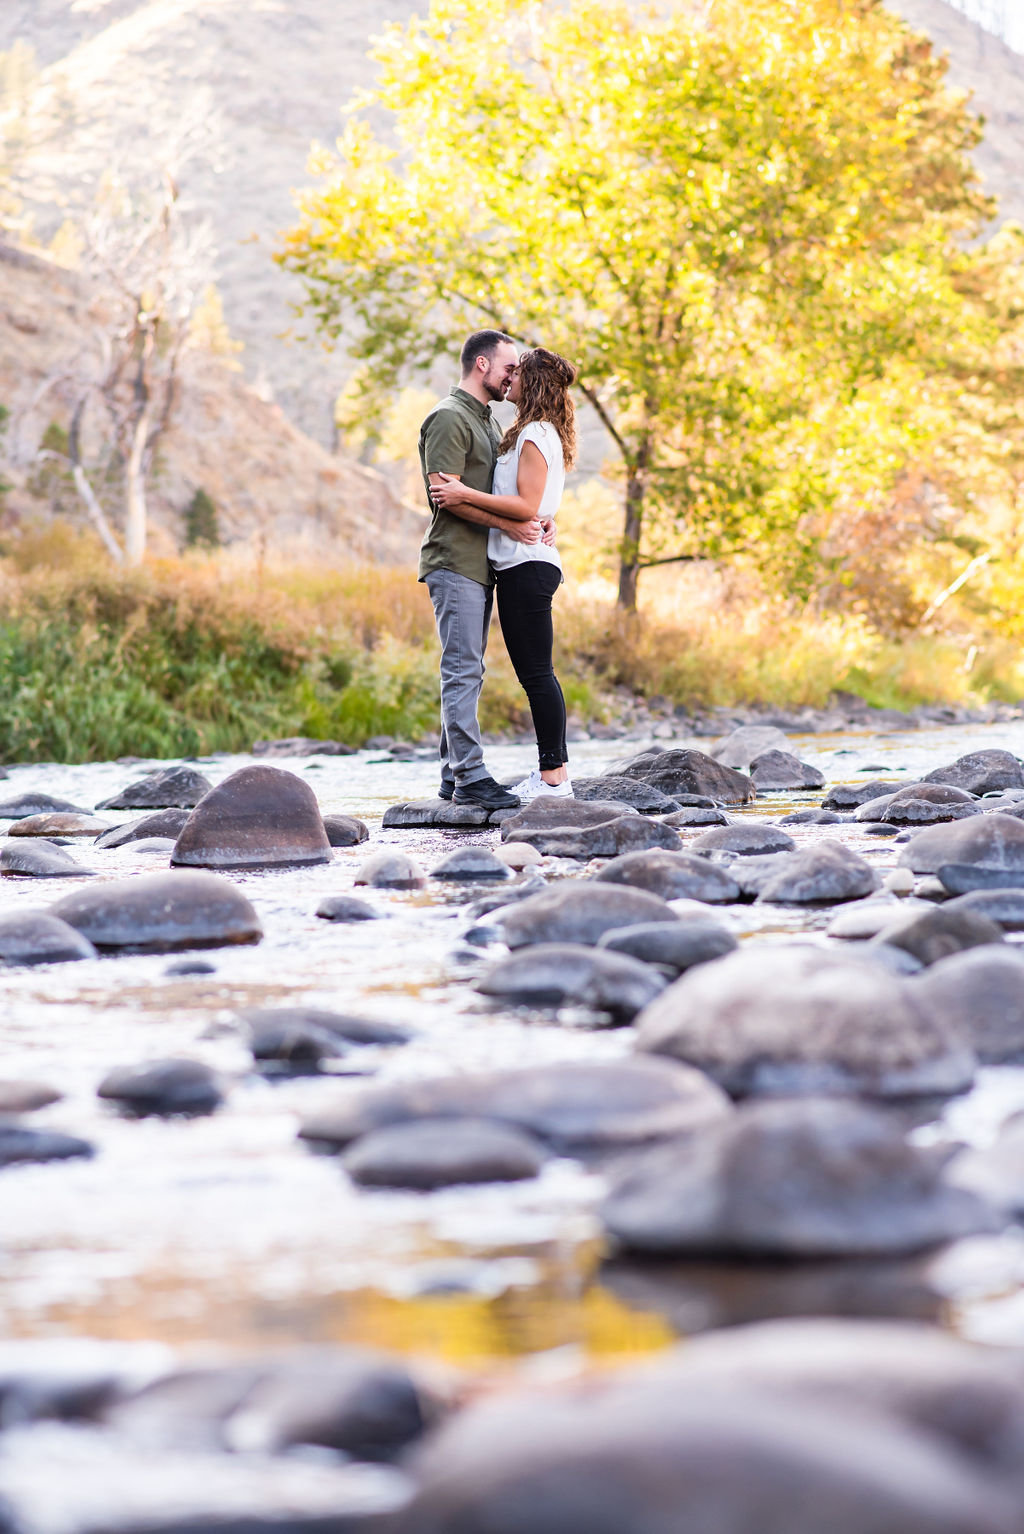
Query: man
[[459, 437]]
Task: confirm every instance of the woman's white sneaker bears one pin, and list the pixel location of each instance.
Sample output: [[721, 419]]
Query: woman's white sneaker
[[534, 787]]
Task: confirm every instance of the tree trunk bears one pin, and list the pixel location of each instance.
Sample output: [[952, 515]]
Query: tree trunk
[[84, 488], [135, 521], [629, 548]]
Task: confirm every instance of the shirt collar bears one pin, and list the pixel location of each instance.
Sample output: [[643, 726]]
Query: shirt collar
[[474, 404]]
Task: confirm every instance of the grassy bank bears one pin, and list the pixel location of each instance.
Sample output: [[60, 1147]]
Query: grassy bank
[[188, 656]]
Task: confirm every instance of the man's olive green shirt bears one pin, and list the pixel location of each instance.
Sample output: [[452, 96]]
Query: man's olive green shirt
[[458, 437]]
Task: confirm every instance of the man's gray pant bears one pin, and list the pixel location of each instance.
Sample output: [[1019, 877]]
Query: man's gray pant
[[462, 608]]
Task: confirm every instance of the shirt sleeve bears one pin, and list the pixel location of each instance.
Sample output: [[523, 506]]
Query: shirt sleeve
[[446, 444], [543, 436]]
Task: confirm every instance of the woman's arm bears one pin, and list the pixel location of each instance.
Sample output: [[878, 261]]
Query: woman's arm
[[522, 507], [522, 531]]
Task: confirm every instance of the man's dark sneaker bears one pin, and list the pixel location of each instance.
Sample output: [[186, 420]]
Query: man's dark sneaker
[[487, 794], [445, 791]]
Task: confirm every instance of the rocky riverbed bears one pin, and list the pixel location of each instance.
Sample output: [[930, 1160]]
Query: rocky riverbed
[[525, 1097]]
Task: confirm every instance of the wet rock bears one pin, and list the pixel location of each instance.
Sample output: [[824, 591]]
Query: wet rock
[[345, 830], [26, 1096], [938, 795], [346, 908], [158, 912], [938, 933], [24, 805], [613, 838], [471, 863], [779, 771], [550, 974], [162, 1088], [545, 814], [574, 1106], [924, 812], [440, 1153], [191, 967], [338, 1025], [518, 855], [981, 772], [978, 994], [163, 823], [573, 912], [746, 840], [59, 825], [38, 937], [1003, 906], [259, 817], [743, 746], [849, 796], [692, 772], [992, 840], [827, 874], [672, 875], [391, 871], [862, 919], [20, 1144], [41, 860], [154, 846], [798, 1019], [809, 1178], [507, 894], [414, 814], [173, 788], [301, 745], [626, 790], [962, 878], [672, 945], [695, 815], [812, 817], [653, 1457]]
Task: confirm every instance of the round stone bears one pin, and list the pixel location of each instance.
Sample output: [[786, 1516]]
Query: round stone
[[390, 870], [40, 860], [158, 912], [342, 908], [163, 1088], [746, 839], [259, 817], [673, 876], [549, 974], [467, 863], [172, 788], [574, 912], [59, 825], [345, 830], [673, 945], [167, 823], [39, 937], [439, 1153]]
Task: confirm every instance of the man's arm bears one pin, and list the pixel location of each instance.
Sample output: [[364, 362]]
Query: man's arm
[[522, 530]]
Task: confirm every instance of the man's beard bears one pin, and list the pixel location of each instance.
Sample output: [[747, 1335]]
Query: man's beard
[[496, 391]]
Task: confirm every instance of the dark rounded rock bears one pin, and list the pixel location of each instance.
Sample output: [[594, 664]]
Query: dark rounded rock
[[390, 870], [674, 945], [471, 863], [26, 1096], [981, 772], [158, 912], [173, 788], [20, 1144], [625, 790], [940, 932], [54, 824], [925, 812], [440, 1153], [345, 830], [41, 860], [1003, 906], [962, 878], [549, 974], [574, 1106], [39, 937], [673, 875], [825, 874], [163, 823], [346, 908], [545, 813], [627, 833], [746, 840], [992, 840], [573, 912], [191, 967], [694, 772], [339, 1026], [978, 994], [810, 1178], [413, 814], [162, 1088], [811, 817], [695, 815], [259, 817], [781, 772], [797, 1019], [940, 797], [24, 805], [849, 796]]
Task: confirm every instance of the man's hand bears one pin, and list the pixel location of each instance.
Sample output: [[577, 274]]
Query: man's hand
[[547, 526], [522, 532]]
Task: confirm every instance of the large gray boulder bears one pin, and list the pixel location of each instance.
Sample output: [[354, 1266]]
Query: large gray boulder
[[992, 840], [780, 772], [612, 838], [574, 1106], [808, 1178], [826, 874], [549, 974], [786, 1020], [259, 817], [576, 912], [672, 875], [693, 772], [981, 772], [979, 995], [626, 790], [161, 912], [173, 788]]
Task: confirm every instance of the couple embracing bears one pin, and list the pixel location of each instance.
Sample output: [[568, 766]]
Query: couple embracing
[[493, 502]]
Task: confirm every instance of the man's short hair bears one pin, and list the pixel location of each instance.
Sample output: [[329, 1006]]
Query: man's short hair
[[482, 343]]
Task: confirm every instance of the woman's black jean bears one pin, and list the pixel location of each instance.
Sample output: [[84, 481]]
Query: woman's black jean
[[524, 611]]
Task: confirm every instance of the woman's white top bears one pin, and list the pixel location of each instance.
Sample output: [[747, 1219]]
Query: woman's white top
[[503, 551]]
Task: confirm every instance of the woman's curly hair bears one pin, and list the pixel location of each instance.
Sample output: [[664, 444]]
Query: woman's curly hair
[[545, 381]]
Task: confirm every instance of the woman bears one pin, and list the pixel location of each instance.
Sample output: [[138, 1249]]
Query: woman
[[528, 480]]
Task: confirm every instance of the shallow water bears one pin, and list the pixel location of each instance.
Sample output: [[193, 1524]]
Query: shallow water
[[227, 1231]]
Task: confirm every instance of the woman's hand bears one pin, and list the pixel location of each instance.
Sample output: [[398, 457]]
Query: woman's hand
[[523, 532], [450, 492]]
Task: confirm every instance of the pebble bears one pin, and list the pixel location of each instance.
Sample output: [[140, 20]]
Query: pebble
[[19, 1144], [26, 1096], [24, 805], [518, 855], [59, 825], [338, 1025], [695, 815], [746, 840]]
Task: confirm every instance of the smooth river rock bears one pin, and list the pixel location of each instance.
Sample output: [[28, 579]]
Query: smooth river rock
[[160, 912], [849, 796], [693, 772], [20, 1144], [575, 912], [39, 937], [811, 817], [981, 772], [259, 817], [826, 874], [672, 945], [797, 1179], [163, 1088], [1003, 906], [26, 1096], [162, 823], [470, 863], [24, 805], [978, 994], [417, 814], [962, 878], [345, 830], [673, 875], [612, 838], [575, 1106], [746, 839], [626, 790], [798, 1019], [173, 788], [441, 1153], [41, 860], [695, 815], [992, 840], [550, 974], [391, 870], [545, 814], [59, 824], [938, 933], [339, 1026], [780, 772], [342, 908], [926, 812]]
